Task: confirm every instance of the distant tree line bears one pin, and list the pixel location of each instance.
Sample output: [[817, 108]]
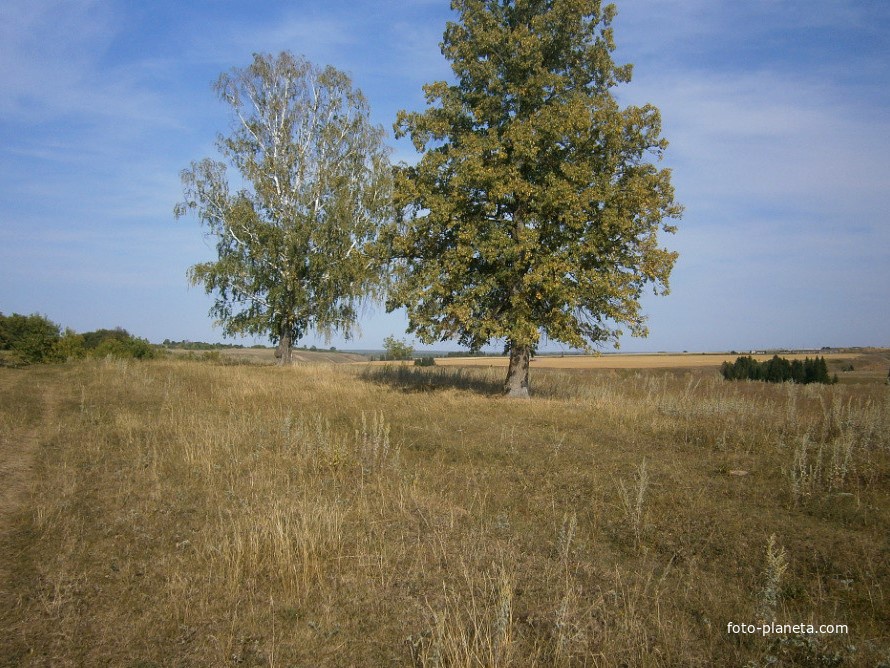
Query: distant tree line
[[779, 370], [202, 345], [35, 339], [470, 353]]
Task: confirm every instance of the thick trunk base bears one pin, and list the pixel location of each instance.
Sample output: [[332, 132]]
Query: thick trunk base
[[516, 386], [283, 351]]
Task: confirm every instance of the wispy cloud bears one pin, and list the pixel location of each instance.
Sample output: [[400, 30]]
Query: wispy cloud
[[763, 136], [51, 65]]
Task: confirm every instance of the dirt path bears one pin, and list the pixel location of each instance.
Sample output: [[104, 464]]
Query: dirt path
[[19, 443]]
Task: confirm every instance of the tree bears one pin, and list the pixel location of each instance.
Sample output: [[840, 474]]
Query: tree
[[292, 243], [533, 210], [396, 349]]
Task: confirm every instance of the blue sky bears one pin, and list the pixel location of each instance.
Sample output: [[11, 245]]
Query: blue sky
[[778, 114]]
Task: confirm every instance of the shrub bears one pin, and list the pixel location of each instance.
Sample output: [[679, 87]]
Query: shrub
[[131, 347], [69, 347], [28, 338], [34, 339]]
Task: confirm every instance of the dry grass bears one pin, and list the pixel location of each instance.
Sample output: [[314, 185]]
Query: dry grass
[[266, 356], [616, 361], [201, 514]]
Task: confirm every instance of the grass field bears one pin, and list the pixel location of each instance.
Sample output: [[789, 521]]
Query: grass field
[[179, 513]]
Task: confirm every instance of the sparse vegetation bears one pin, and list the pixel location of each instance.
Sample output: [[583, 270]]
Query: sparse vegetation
[[198, 514]]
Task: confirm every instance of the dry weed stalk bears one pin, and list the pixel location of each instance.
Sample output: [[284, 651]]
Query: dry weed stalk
[[472, 628], [773, 572], [565, 537], [633, 502]]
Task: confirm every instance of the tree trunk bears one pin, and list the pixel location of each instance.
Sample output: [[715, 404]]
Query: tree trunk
[[517, 373], [284, 349]]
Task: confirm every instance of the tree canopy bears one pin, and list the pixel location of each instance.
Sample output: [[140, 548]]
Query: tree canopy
[[534, 209], [313, 186]]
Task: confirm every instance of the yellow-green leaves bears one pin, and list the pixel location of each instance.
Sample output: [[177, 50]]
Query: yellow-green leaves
[[296, 244], [536, 206]]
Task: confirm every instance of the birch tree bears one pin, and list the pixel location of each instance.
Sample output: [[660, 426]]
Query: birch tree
[[535, 207], [295, 226]]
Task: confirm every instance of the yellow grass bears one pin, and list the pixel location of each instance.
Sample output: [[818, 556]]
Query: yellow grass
[[618, 361], [183, 513]]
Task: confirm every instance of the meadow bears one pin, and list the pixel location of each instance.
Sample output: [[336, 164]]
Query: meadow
[[181, 512]]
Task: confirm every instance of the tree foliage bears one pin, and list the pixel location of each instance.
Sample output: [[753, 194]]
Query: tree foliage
[[534, 210], [397, 349], [292, 243]]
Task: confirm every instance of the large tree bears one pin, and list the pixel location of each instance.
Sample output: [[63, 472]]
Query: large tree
[[534, 209], [314, 185]]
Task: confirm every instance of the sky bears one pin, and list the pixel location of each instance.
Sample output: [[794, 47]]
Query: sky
[[777, 113]]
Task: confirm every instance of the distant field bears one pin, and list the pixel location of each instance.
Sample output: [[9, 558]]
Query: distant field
[[267, 355], [869, 365], [654, 361], [860, 366]]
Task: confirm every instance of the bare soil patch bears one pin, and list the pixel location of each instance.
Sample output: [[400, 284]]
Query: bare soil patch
[[18, 445]]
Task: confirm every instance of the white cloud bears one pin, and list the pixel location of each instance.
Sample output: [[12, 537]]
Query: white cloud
[[765, 139]]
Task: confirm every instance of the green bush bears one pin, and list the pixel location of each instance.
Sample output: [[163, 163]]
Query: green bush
[[119, 344], [27, 339], [69, 347], [32, 339]]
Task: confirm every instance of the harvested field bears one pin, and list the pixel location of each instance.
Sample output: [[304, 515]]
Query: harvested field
[[617, 361]]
